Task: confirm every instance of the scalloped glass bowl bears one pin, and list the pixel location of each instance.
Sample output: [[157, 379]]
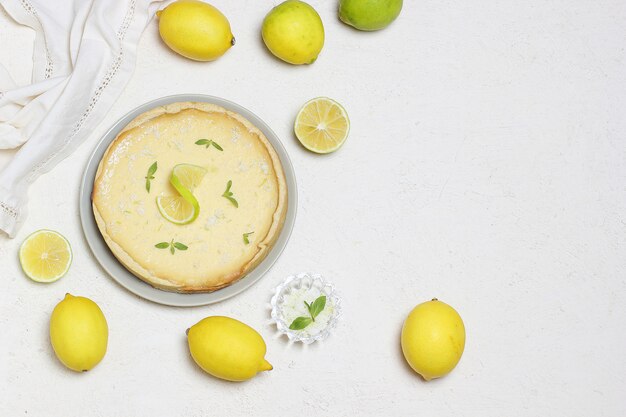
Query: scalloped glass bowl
[[288, 303]]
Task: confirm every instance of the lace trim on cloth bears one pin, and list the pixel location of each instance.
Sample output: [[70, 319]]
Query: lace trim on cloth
[[8, 210], [110, 74], [27, 5]]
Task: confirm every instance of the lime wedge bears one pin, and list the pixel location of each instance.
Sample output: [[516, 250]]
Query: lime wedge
[[189, 176], [45, 256], [322, 125]]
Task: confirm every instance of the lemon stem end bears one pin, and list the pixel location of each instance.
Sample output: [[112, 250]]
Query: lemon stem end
[[266, 366]]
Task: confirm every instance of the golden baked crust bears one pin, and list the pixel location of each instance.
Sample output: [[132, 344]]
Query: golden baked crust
[[128, 217]]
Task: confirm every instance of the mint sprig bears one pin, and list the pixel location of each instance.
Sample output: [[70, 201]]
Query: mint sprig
[[229, 194], [208, 143], [173, 246], [150, 175], [314, 308], [245, 238]]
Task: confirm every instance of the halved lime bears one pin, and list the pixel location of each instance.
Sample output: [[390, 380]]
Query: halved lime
[[45, 256], [322, 125], [177, 209]]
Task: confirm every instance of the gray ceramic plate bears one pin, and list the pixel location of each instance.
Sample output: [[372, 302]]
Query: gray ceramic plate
[[128, 280]]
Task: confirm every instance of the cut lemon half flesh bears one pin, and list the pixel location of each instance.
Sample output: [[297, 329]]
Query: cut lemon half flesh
[[322, 125], [45, 256], [189, 176]]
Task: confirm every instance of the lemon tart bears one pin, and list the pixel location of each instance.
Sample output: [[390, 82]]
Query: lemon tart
[[190, 197]]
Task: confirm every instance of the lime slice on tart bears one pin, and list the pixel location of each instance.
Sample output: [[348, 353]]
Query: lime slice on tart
[[322, 125], [177, 209], [189, 176], [183, 208], [45, 256]]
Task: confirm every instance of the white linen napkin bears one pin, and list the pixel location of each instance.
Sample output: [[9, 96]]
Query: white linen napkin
[[84, 55]]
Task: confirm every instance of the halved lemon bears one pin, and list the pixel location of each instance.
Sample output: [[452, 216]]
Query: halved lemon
[[322, 125], [189, 176], [45, 256]]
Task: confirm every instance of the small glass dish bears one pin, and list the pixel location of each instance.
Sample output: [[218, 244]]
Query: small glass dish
[[288, 304]]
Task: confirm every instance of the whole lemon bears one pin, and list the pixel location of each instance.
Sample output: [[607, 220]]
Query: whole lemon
[[433, 339], [195, 30], [294, 32], [79, 333], [227, 348], [369, 14]]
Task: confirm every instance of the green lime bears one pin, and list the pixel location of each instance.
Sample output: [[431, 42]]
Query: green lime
[[369, 14], [293, 31]]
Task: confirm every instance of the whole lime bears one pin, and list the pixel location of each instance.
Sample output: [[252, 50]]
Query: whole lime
[[294, 32], [433, 339], [369, 14]]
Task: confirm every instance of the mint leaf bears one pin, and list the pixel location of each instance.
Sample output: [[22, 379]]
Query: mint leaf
[[229, 195], [150, 175], [180, 246], [232, 200], [308, 306], [317, 306], [300, 323], [245, 238], [172, 246], [208, 143], [152, 169]]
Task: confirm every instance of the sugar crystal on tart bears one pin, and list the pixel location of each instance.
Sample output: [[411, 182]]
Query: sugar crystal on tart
[[190, 197]]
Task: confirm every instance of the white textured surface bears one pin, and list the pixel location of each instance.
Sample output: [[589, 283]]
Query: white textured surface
[[486, 166]]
